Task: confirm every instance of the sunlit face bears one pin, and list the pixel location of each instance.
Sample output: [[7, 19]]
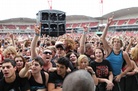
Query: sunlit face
[[47, 55], [61, 69], [36, 67], [116, 43], [73, 58], [98, 54], [10, 55], [19, 62], [83, 63], [8, 70]]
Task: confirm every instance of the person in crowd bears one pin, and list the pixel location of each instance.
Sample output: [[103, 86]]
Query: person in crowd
[[115, 55], [77, 45], [83, 63], [57, 77], [53, 50], [103, 71], [60, 49], [73, 57], [87, 48], [20, 62], [10, 52], [46, 54], [12, 81], [33, 71], [69, 45], [79, 80]]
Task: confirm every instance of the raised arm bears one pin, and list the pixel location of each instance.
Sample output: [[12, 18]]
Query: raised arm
[[34, 41], [129, 45], [83, 40], [25, 71], [107, 47]]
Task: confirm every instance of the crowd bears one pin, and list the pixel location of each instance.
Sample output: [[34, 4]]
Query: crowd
[[67, 63]]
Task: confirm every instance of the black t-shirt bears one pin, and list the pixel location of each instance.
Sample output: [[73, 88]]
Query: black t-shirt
[[101, 69], [35, 85], [1, 75], [19, 84], [56, 79]]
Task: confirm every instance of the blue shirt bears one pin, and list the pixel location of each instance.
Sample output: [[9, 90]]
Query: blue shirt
[[116, 61]]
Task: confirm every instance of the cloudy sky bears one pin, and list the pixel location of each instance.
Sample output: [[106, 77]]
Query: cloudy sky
[[29, 8]]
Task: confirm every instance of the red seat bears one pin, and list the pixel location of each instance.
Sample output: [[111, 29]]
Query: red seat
[[24, 27], [121, 22], [84, 24], [132, 21], [9, 26], [1, 27], [31, 26], [75, 25], [92, 24], [68, 25]]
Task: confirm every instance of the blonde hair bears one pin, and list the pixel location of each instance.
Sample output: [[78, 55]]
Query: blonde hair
[[11, 49], [134, 53], [118, 38], [81, 57]]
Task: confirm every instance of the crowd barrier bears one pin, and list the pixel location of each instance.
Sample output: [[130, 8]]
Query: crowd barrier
[[127, 83]]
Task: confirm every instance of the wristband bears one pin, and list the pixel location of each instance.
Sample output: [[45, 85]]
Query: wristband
[[93, 73], [37, 34], [84, 32]]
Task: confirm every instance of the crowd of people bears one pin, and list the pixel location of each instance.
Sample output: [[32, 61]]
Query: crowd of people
[[68, 62]]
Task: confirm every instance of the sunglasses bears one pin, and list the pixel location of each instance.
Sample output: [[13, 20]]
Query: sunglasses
[[47, 52]]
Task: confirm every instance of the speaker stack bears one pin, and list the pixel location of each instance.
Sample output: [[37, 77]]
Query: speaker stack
[[53, 22]]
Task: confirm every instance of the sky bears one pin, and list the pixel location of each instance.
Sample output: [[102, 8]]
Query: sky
[[29, 8]]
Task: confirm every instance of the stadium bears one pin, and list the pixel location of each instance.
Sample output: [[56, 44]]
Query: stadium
[[124, 24], [124, 20]]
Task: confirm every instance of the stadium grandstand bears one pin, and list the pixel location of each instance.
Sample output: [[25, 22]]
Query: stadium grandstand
[[125, 20]]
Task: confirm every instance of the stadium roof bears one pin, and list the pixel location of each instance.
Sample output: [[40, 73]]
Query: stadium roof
[[79, 17], [119, 13], [20, 20], [122, 12]]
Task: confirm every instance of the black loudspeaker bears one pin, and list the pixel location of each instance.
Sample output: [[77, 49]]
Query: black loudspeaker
[[53, 22]]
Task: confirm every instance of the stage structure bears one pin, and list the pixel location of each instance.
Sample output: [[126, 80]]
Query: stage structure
[[53, 22]]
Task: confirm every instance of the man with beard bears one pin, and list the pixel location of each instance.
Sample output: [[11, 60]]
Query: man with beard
[[57, 77], [11, 81]]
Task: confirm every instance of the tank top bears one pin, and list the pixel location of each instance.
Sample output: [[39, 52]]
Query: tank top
[[116, 61], [35, 85]]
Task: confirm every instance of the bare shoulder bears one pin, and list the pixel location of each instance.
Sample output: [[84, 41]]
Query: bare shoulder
[[46, 74], [125, 53]]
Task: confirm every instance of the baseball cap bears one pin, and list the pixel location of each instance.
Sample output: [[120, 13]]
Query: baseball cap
[[59, 44]]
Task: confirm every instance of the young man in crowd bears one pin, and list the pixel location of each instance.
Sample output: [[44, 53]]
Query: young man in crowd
[[57, 77], [11, 81]]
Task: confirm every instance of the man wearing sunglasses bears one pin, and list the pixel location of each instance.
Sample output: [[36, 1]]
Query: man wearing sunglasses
[[46, 55]]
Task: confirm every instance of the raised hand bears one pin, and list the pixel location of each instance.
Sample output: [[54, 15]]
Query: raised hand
[[110, 20], [85, 28], [37, 28]]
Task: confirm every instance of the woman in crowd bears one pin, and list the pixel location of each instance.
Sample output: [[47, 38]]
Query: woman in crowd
[[20, 62], [10, 52], [103, 71], [33, 71], [83, 65], [73, 56]]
